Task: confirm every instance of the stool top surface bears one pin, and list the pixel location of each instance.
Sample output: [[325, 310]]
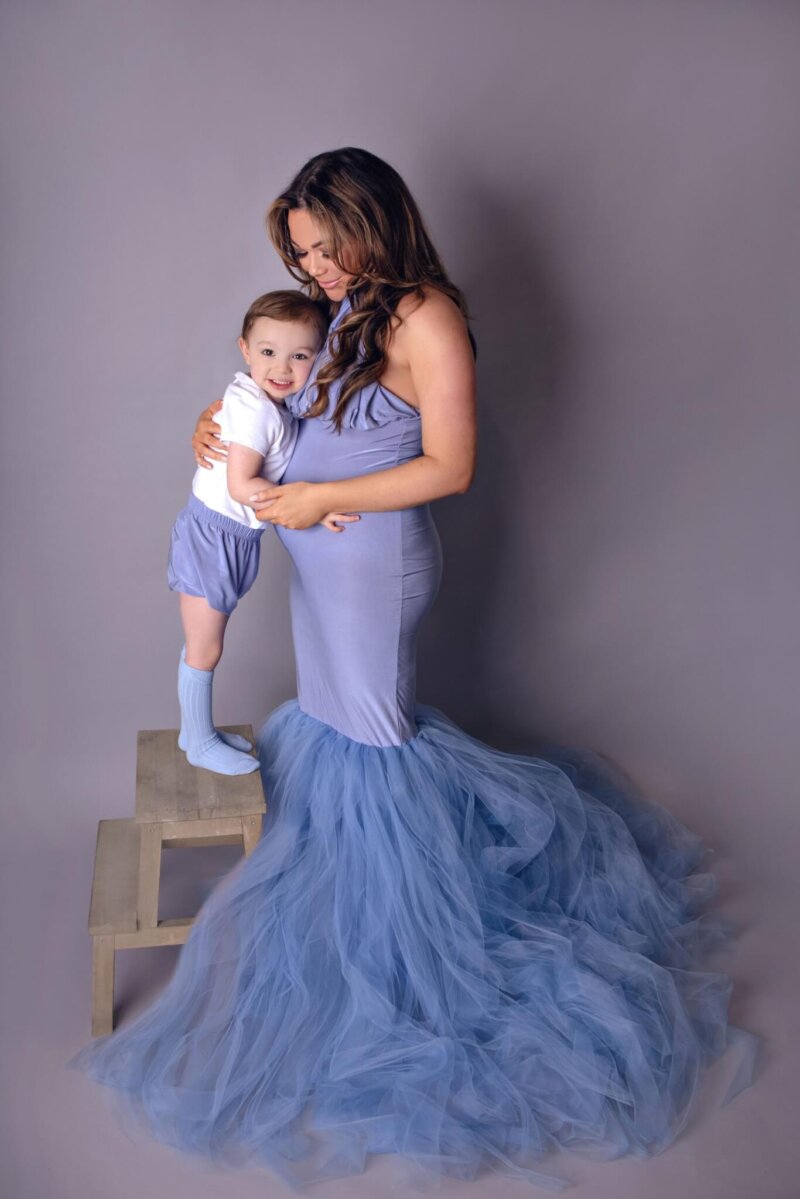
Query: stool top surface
[[169, 788]]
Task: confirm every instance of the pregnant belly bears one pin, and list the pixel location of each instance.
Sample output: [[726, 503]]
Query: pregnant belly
[[358, 596], [357, 599], [393, 543]]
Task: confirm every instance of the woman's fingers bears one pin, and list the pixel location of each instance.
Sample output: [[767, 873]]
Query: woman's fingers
[[332, 521], [206, 441], [203, 451], [206, 417], [262, 506]]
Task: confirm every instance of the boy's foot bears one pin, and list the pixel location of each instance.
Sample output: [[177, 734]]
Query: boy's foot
[[232, 739], [215, 755]]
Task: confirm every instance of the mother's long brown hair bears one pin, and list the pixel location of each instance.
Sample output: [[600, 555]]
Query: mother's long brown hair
[[368, 215]]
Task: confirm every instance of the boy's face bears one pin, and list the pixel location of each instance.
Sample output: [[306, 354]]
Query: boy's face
[[280, 354]]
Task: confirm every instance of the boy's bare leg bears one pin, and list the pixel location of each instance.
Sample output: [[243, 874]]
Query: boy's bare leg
[[204, 630]]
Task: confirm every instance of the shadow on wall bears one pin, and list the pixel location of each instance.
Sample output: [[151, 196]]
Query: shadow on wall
[[523, 340]]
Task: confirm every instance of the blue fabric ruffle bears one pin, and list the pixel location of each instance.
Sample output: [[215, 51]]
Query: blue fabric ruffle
[[466, 957]]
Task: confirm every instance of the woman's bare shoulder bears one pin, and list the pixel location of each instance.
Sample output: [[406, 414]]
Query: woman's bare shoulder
[[430, 315], [432, 305], [432, 333]]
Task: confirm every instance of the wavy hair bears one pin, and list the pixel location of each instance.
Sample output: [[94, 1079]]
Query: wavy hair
[[375, 233]]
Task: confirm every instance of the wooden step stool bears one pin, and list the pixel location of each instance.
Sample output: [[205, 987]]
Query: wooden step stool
[[181, 805]]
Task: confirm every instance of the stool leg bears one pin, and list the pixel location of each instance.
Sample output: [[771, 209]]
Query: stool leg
[[102, 985], [251, 833], [149, 875]]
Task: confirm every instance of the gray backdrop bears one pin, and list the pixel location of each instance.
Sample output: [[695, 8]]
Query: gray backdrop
[[615, 184]]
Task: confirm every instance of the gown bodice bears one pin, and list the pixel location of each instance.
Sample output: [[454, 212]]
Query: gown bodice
[[370, 407]]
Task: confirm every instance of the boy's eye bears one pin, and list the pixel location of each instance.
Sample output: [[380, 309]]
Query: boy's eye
[[302, 357], [267, 353]]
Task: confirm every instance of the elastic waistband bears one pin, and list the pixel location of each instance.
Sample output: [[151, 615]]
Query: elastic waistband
[[209, 517]]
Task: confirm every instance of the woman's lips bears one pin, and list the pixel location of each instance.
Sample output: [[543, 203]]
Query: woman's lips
[[327, 283]]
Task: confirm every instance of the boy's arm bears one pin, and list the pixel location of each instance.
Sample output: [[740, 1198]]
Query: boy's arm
[[244, 472]]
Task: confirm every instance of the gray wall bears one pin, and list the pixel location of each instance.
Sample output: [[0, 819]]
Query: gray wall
[[615, 184]]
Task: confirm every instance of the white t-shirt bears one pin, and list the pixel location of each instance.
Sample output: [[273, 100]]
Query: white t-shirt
[[248, 417]]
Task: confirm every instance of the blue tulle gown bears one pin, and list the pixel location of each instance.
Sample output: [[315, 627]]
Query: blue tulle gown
[[466, 957]]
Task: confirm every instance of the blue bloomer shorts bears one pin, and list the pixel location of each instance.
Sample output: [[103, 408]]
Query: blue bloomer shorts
[[212, 555]]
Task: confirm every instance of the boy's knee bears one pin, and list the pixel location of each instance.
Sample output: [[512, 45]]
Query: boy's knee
[[203, 657]]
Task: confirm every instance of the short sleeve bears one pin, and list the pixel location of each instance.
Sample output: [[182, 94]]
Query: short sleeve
[[249, 420]]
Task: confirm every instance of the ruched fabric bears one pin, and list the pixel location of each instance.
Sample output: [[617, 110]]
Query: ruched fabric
[[437, 949]]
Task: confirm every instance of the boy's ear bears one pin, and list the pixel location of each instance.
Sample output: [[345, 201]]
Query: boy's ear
[[244, 349]]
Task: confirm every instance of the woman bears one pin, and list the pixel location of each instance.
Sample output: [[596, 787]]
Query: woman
[[437, 949]]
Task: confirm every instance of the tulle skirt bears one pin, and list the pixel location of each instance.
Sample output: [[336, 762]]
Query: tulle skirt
[[466, 957]]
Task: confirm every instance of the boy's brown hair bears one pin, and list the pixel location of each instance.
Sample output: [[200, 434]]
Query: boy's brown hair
[[287, 305]]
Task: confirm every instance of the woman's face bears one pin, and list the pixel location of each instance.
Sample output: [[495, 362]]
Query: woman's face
[[312, 253]]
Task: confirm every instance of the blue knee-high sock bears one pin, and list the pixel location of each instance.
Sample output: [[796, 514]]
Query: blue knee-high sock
[[232, 739], [204, 746]]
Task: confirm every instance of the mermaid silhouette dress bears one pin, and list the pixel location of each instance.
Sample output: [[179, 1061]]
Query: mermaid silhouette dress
[[466, 957]]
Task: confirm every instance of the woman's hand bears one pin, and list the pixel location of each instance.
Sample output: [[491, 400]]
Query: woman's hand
[[205, 439], [298, 506]]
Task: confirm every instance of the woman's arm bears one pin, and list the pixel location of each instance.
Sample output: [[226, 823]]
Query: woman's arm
[[243, 478], [433, 346]]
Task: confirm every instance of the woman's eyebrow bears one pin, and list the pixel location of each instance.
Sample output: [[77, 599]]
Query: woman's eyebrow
[[315, 245]]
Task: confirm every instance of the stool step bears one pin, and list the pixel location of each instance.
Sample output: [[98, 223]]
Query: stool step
[[116, 878], [169, 789], [176, 804]]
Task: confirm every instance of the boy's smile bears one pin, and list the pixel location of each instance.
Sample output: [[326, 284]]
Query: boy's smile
[[280, 354]]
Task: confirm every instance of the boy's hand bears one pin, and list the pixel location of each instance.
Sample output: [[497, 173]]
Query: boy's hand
[[329, 520]]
